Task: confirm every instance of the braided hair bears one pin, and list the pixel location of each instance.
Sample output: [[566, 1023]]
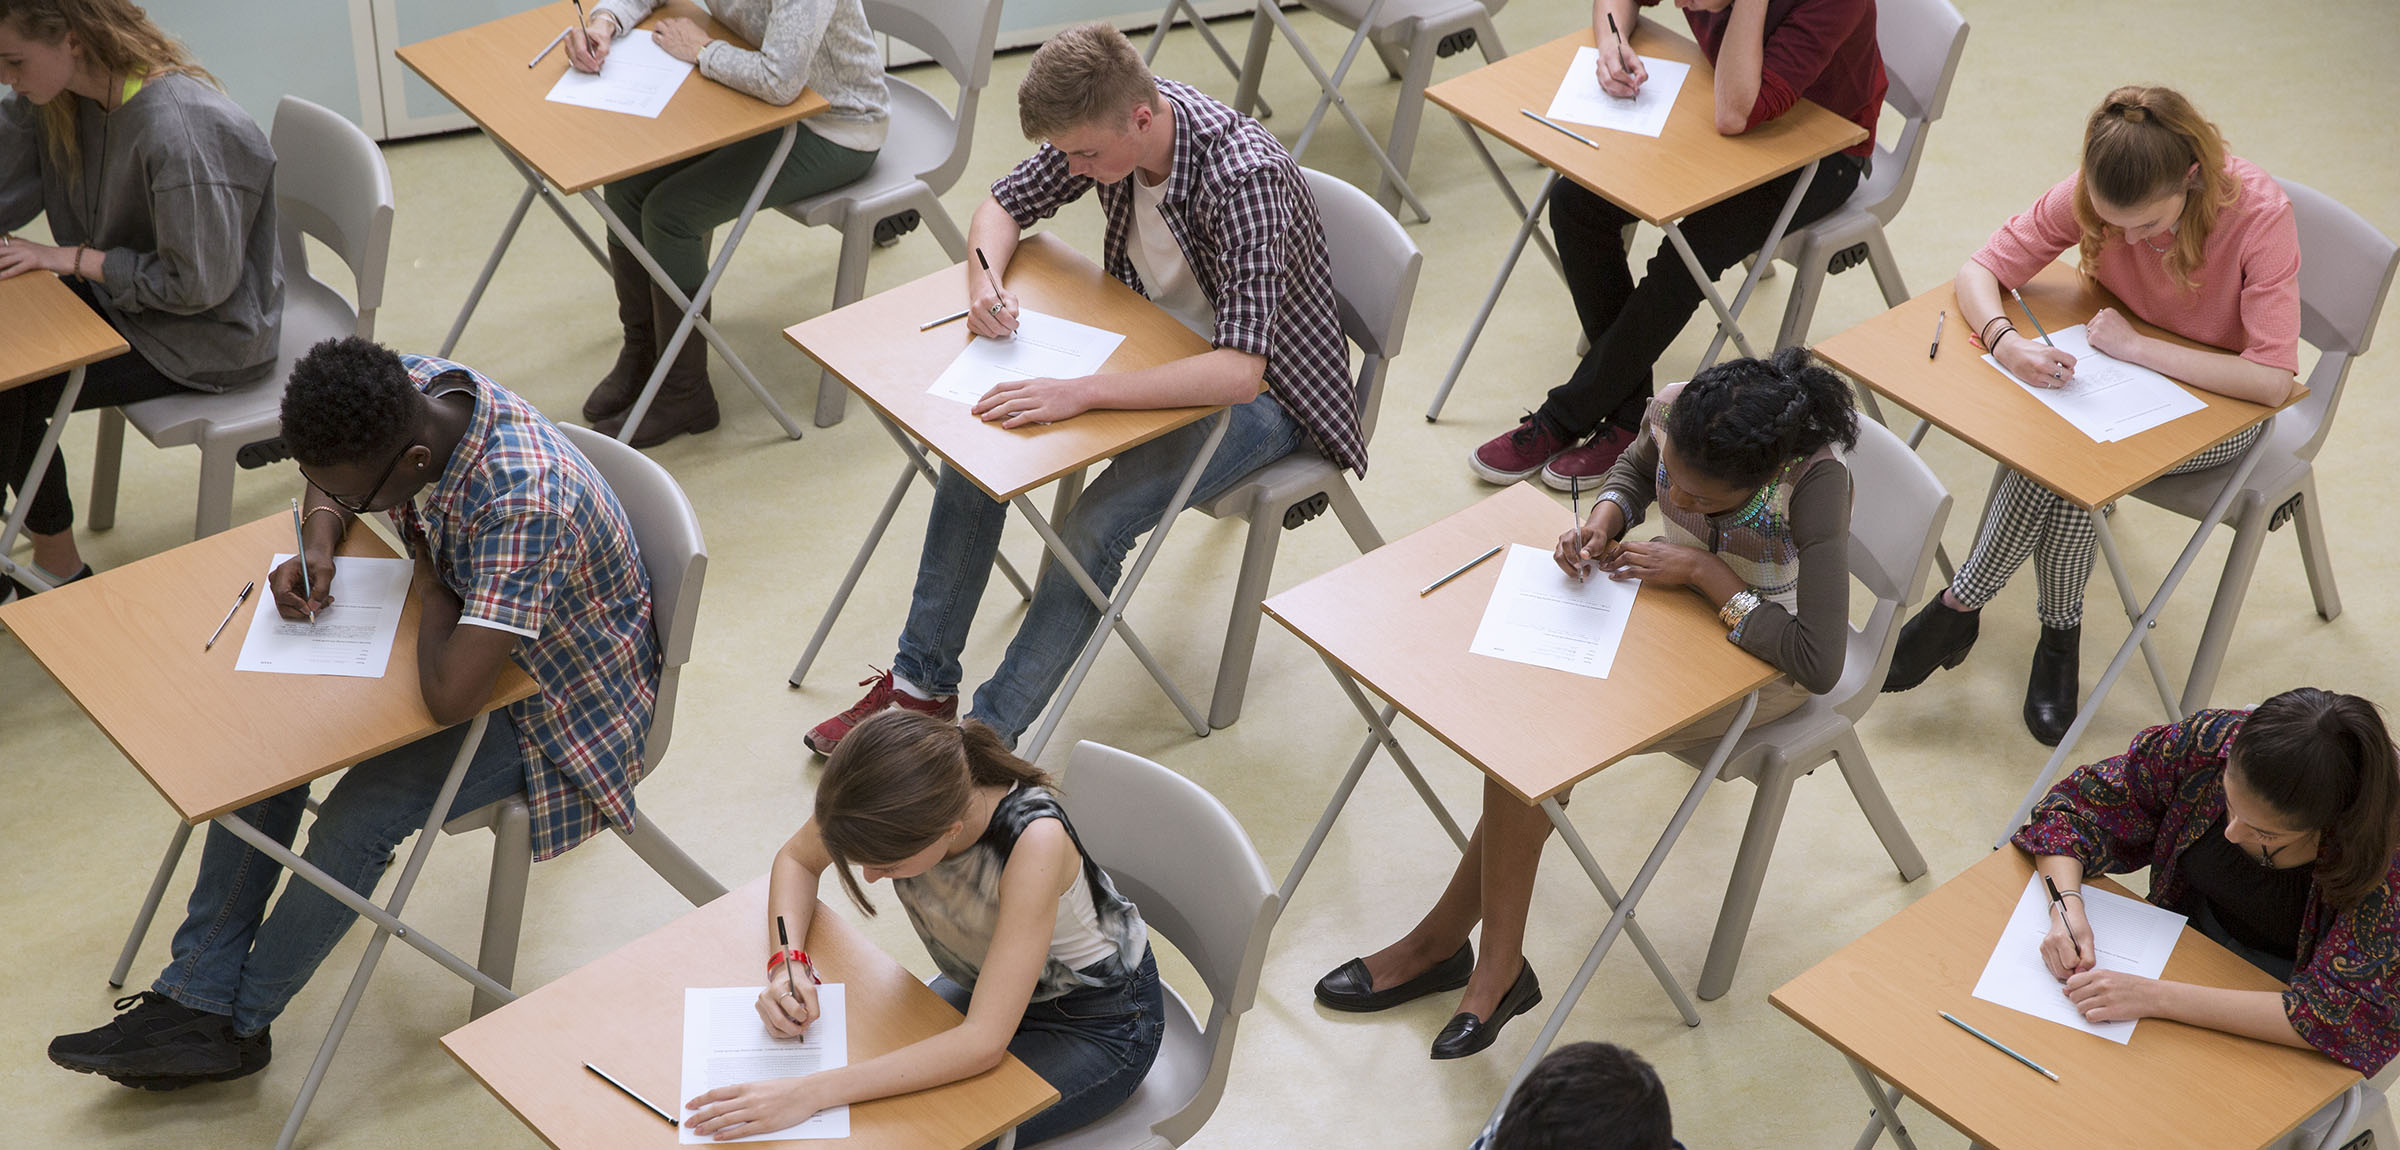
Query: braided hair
[[1740, 421]]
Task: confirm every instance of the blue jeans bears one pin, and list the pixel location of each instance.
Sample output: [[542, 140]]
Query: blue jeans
[[963, 535], [228, 961], [1093, 1046]]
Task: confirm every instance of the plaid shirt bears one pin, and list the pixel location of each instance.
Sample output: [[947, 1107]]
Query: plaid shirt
[[534, 543], [1247, 225]]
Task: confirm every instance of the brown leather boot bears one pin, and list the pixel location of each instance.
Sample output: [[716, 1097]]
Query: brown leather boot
[[623, 383], [686, 401]]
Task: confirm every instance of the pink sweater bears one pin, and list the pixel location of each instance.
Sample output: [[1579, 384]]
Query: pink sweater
[[2246, 295]]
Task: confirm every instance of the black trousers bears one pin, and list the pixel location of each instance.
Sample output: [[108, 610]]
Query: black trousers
[[1630, 326], [25, 416]]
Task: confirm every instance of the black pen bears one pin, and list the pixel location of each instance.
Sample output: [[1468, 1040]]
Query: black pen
[[1612, 30], [785, 937], [648, 1105], [2059, 902], [238, 600], [987, 274], [1938, 321]]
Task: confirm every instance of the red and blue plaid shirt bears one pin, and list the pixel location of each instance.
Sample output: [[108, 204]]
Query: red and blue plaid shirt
[[1242, 214], [530, 538]]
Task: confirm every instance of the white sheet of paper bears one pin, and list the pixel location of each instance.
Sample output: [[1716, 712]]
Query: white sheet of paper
[[1045, 346], [724, 1044], [1580, 100], [637, 79], [2109, 399], [352, 637], [2132, 936], [1540, 616]]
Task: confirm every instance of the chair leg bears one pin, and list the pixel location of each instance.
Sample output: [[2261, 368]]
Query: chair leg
[[944, 231], [2313, 557], [1808, 282], [149, 911], [1395, 58], [849, 284], [504, 899], [1254, 65], [215, 510], [1241, 628], [1851, 757], [1886, 268], [689, 878], [108, 458], [1749, 873], [1401, 144], [1353, 515], [2249, 518]]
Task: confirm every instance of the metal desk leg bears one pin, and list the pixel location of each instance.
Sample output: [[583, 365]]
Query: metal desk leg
[[1885, 1113], [2140, 631], [26, 573], [534, 185], [1491, 299], [1727, 318], [1330, 88], [1166, 23], [1112, 608]]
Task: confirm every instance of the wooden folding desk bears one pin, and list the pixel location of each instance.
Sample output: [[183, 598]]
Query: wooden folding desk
[[576, 150], [1534, 730], [877, 347], [48, 331], [125, 644], [1959, 393], [530, 1053], [1879, 1001], [1687, 167]]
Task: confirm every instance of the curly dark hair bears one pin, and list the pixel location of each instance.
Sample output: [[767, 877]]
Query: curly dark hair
[[1588, 1096], [349, 401], [1743, 419]]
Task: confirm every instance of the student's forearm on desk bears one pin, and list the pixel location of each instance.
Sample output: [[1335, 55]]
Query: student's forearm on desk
[[1602, 10], [1217, 376], [2250, 1013], [1739, 57], [456, 666], [323, 523], [2222, 372]]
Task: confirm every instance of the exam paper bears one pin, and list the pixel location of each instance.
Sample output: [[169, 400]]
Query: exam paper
[[1045, 346], [1541, 616], [1580, 100], [724, 1044], [2109, 399], [352, 637], [638, 79], [2132, 936]]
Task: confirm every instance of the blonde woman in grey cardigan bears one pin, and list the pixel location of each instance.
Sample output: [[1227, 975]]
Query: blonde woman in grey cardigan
[[820, 44], [159, 197]]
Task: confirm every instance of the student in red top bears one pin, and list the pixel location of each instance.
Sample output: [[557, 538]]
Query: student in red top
[[1768, 54], [2189, 238]]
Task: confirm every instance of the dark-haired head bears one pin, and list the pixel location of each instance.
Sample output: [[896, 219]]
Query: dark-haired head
[[900, 784], [1741, 421], [2322, 763], [349, 412], [1588, 1096]]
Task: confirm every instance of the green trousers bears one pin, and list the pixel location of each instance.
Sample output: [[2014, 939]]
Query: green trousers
[[674, 207]]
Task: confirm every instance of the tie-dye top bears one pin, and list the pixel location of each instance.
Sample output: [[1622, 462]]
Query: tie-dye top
[[1755, 539], [1099, 939]]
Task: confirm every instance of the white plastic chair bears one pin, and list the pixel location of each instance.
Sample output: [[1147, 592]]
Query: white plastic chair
[[1375, 268], [922, 155], [1921, 42], [1897, 511], [1181, 857], [667, 532], [2346, 270], [330, 183]]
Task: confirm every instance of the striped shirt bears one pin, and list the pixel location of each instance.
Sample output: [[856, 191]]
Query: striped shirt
[[1248, 226], [532, 541]]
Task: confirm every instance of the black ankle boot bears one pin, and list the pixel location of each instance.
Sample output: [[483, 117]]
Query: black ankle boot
[[1935, 638], [2050, 689]]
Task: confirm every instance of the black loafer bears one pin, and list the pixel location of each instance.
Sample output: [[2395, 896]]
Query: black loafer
[[1351, 988], [1468, 1034]]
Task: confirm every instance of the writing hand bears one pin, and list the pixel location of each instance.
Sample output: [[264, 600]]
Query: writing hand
[[1622, 73], [2115, 996], [284, 584], [752, 1108], [586, 52], [991, 314], [2067, 950], [680, 38], [1579, 550], [1022, 401], [2035, 362], [787, 1016]]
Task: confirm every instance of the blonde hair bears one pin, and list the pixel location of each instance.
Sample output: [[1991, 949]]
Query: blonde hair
[[2143, 143], [1088, 74], [114, 36]]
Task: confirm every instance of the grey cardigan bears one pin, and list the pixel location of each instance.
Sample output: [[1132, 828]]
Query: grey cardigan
[[178, 194], [821, 44]]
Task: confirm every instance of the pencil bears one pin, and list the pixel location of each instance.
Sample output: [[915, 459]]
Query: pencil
[[648, 1105], [544, 54], [953, 317], [1463, 568], [1587, 141], [2037, 320], [300, 552], [1995, 1044]]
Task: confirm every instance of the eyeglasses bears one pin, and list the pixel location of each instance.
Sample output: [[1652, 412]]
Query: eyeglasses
[[360, 507]]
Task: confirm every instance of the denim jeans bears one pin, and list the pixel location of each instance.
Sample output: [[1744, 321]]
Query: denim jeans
[[228, 961], [1093, 1046], [963, 535]]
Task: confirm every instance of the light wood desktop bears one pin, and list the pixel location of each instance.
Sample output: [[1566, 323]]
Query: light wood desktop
[[1974, 401], [624, 1014], [482, 70], [49, 330], [1878, 1000]]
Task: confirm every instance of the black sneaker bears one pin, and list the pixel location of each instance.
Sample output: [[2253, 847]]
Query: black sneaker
[[255, 1051], [158, 1038]]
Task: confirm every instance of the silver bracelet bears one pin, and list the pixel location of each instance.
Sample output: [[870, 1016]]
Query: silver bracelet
[[1739, 607]]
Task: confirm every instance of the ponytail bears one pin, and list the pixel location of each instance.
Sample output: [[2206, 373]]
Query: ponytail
[[2143, 143], [1742, 420], [897, 782], [2324, 761]]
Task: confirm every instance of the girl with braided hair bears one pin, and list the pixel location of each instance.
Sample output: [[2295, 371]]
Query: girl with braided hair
[[2191, 239], [1745, 465]]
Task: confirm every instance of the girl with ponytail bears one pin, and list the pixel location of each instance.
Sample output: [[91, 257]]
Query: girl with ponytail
[[1036, 947], [2277, 832], [1745, 464], [2189, 238]]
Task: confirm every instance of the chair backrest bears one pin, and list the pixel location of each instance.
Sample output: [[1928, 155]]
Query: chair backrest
[[2345, 273], [1181, 857], [1921, 42], [331, 183], [1375, 268], [959, 35], [667, 532], [1897, 510]]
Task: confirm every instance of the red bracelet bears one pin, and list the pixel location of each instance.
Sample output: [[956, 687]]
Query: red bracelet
[[781, 957]]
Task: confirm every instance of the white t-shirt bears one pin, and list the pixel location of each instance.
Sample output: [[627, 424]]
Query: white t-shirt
[[1159, 260]]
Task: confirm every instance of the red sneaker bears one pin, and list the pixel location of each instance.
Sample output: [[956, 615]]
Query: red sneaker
[[1585, 465], [1510, 458], [881, 696]]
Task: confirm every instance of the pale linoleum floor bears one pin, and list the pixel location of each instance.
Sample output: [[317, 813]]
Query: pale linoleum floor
[[2303, 88]]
